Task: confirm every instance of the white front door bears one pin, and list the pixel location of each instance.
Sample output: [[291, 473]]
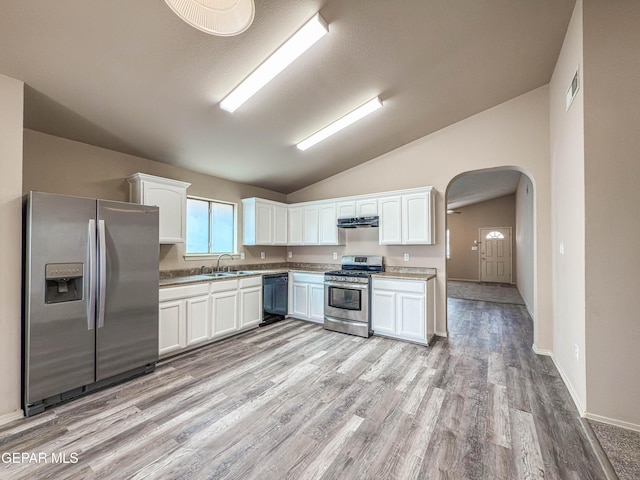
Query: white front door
[[495, 255]]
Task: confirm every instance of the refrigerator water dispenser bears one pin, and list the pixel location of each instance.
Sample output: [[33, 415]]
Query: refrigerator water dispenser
[[64, 282]]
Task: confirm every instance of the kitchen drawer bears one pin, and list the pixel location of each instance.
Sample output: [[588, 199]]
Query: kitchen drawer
[[174, 293], [250, 282], [224, 285], [409, 286], [299, 277]]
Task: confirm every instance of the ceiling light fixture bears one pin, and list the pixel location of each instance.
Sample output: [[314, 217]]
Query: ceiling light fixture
[[343, 122], [216, 17], [301, 41]]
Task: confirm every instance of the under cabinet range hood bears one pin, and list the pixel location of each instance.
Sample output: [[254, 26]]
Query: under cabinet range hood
[[358, 222]]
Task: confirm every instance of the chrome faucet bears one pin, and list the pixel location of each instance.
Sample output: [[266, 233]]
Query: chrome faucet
[[203, 269], [219, 257]]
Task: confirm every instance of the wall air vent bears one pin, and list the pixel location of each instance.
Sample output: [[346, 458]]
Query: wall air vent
[[573, 89]]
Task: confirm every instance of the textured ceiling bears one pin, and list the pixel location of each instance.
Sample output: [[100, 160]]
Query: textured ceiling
[[473, 188], [132, 77]]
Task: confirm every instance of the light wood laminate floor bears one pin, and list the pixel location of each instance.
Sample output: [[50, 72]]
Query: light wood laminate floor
[[293, 401]]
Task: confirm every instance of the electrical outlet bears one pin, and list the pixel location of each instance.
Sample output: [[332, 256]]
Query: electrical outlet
[[335, 255], [577, 352], [406, 257], [241, 255], [263, 255], [290, 254]]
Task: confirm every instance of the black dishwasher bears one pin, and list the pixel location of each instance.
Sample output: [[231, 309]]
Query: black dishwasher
[[275, 291]]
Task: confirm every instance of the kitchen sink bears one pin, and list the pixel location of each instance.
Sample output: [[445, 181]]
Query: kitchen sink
[[230, 274]]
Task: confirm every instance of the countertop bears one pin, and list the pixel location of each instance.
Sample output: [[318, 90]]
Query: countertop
[[405, 275], [193, 279]]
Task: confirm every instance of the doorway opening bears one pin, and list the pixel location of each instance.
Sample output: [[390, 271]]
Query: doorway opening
[[490, 238]]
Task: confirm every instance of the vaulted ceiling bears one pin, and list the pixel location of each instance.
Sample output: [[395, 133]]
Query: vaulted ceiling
[[132, 77]]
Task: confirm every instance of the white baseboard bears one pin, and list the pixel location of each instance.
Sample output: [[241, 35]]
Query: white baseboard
[[10, 417], [441, 334], [612, 421], [542, 351], [574, 395], [463, 280]]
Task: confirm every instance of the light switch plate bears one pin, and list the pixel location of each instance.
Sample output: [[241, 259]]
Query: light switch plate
[[241, 255]]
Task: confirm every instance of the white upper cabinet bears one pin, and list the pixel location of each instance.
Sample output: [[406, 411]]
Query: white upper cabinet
[[264, 222], [367, 207], [346, 209], [417, 219], [314, 224], [280, 221], [360, 207], [296, 232], [407, 219], [330, 234], [390, 229], [311, 225], [170, 196]]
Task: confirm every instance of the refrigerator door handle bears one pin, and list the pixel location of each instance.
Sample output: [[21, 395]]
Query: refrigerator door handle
[[102, 269], [91, 303]]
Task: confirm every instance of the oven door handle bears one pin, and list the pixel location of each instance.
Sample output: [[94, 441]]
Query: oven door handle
[[351, 286]]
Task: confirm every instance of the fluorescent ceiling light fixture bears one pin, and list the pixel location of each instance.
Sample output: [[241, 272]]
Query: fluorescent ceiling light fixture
[[300, 42], [360, 112]]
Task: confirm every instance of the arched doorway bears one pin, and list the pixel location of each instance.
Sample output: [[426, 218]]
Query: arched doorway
[[500, 200]]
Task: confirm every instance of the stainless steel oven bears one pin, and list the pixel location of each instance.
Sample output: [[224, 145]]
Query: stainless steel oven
[[347, 295]]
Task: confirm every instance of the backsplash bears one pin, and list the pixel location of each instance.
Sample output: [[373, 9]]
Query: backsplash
[[187, 272]]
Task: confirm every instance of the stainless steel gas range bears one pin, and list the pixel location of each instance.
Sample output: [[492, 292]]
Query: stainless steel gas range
[[347, 300]]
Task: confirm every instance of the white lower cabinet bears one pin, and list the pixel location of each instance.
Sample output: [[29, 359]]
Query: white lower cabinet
[[404, 308], [224, 308], [236, 305], [316, 302], [250, 301], [197, 320], [172, 335], [183, 318], [306, 296], [195, 314]]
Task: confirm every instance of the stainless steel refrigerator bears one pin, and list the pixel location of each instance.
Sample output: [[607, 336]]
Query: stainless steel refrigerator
[[91, 296]]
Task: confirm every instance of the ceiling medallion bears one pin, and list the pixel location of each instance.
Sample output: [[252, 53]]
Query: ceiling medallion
[[216, 17]]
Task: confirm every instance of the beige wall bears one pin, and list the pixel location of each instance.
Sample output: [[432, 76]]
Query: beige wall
[[612, 224], [567, 187], [513, 134], [11, 112], [56, 165], [464, 263], [525, 233]]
